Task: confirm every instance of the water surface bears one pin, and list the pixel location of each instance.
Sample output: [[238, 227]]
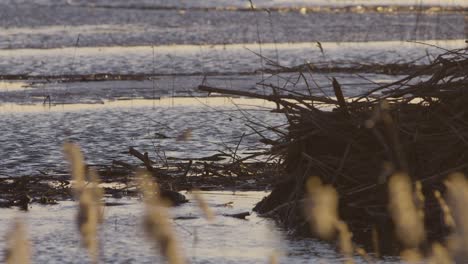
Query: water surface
[[169, 48], [55, 239]]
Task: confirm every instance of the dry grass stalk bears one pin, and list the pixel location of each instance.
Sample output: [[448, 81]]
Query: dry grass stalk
[[89, 197], [77, 166], [88, 218], [404, 212], [344, 241], [363, 253], [207, 212], [411, 256], [322, 208], [439, 255], [18, 248], [448, 218], [322, 211], [457, 197], [156, 220], [274, 258], [90, 215], [419, 199]]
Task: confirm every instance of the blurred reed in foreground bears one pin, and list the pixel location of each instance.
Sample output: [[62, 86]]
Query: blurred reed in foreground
[[206, 210], [321, 209], [406, 204], [18, 249], [156, 221], [409, 223], [89, 195]]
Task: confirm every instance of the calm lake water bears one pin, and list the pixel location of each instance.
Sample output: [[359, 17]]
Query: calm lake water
[[181, 44]]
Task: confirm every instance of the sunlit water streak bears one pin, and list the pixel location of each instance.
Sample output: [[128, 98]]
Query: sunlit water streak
[[221, 59]]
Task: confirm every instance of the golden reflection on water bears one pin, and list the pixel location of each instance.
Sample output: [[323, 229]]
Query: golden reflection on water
[[130, 103], [215, 101], [9, 86], [195, 49]]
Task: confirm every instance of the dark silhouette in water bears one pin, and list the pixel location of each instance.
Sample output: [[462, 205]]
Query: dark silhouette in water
[[174, 197]]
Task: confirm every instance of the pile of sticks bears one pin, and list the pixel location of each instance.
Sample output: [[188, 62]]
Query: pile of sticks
[[417, 125]]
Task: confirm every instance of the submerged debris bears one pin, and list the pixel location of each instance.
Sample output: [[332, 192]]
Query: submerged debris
[[242, 215], [116, 179]]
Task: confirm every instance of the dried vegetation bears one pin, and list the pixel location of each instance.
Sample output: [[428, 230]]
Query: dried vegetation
[[378, 161], [385, 169]]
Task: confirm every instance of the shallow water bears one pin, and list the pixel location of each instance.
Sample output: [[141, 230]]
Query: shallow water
[[55, 239], [183, 86], [32, 140], [181, 43], [178, 70], [59, 24], [214, 59]]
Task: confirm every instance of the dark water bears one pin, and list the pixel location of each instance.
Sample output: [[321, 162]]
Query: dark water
[[34, 138]]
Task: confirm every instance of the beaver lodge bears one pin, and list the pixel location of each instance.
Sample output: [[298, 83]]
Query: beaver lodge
[[414, 130]]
